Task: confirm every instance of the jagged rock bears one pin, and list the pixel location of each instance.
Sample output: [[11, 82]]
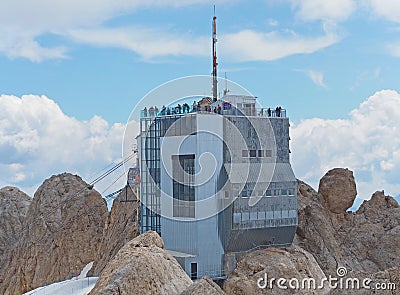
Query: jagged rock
[[121, 226], [365, 241], [62, 230], [338, 189], [142, 266], [14, 205], [203, 286], [259, 267], [367, 283]]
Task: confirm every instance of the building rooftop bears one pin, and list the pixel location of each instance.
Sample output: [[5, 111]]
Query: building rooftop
[[221, 107]]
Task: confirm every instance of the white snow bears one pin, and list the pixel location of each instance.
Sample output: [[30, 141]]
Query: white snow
[[80, 285], [85, 270]]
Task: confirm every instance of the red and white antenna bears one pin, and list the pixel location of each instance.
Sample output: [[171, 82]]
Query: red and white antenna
[[214, 54]]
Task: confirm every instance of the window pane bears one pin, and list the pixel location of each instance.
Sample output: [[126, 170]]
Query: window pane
[[236, 217], [245, 216]]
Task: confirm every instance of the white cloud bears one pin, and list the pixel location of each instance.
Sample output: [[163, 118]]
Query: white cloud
[[22, 22], [337, 10], [248, 45], [317, 77], [245, 45], [147, 42], [394, 49], [16, 44], [367, 142], [37, 140], [389, 9]]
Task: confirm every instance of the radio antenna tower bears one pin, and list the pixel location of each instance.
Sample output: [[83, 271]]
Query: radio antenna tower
[[214, 54]]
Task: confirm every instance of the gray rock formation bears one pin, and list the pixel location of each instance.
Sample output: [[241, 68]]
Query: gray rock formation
[[263, 265], [142, 266], [120, 227], [203, 286], [61, 233], [388, 280], [365, 241], [338, 189], [14, 205]]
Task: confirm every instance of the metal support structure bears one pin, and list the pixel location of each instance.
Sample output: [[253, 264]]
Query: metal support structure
[[214, 54]]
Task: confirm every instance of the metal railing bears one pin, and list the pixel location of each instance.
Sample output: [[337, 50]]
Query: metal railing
[[173, 111]]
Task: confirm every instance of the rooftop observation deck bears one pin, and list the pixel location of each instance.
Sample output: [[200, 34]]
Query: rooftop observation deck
[[232, 111]]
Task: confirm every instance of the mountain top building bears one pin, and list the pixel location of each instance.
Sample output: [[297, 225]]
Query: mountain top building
[[216, 179]]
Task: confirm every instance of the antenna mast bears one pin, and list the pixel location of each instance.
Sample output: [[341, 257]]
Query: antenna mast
[[214, 53]]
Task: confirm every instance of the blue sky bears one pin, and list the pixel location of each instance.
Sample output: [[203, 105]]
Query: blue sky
[[95, 77], [321, 60]]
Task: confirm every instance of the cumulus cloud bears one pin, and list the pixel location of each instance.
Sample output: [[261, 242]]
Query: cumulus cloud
[[367, 142], [310, 10], [37, 140]]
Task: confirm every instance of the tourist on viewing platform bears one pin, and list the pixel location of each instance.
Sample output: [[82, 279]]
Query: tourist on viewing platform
[[277, 111], [151, 111], [145, 112], [269, 112], [185, 108], [163, 109], [156, 110], [219, 109]]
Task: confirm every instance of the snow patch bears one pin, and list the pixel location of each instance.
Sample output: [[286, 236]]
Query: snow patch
[[80, 285]]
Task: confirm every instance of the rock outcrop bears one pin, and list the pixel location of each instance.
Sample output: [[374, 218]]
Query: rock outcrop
[[259, 267], [388, 281], [203, 286], [14, 205], [365, 241], [142, 266], [338, 189], [62, 230], [120, 227]]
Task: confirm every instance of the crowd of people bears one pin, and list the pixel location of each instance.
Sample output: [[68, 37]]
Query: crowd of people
[[196, 107], [180, 109]]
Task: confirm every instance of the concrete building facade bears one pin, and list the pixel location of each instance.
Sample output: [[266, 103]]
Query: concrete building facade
[[217, 182]]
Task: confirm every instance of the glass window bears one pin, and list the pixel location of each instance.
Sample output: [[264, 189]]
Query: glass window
[[245, 216], [226, 194], [253, 215], [237, 217], [268, 193], [261, 215], [285, 214], [245, 153], [253, 153], [183, 186]]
